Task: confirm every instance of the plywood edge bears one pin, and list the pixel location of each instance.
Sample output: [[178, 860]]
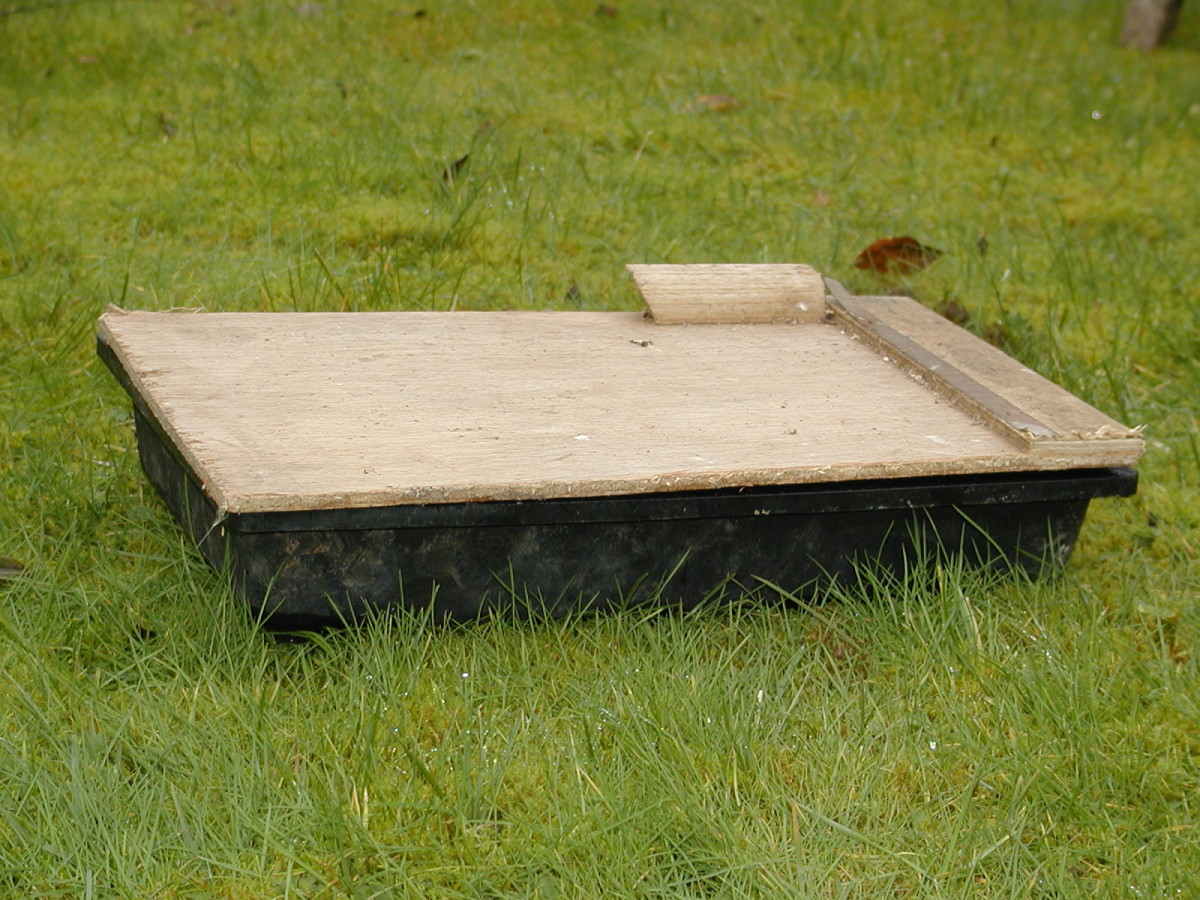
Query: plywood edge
[[986, 382], [1090, 451], [108, 333], [666, 482], [730, 294]]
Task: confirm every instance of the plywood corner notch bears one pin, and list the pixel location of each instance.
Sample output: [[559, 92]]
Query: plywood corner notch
[[730, 294]]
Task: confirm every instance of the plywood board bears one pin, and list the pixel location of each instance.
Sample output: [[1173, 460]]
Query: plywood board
[[294, 411]]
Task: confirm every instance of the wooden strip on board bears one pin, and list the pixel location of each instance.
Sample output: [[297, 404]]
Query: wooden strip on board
[[987, 382], [730, 294]]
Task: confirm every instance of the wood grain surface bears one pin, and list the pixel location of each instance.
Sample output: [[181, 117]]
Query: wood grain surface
[[290, 411], [730, 294]]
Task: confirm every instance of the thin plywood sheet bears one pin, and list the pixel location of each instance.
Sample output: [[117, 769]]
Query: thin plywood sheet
[[295, 411]]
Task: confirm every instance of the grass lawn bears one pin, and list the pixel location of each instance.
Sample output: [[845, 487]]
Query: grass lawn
[[967, 738]]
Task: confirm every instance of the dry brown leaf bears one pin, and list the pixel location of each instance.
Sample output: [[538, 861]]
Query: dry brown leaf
[[898, 254]]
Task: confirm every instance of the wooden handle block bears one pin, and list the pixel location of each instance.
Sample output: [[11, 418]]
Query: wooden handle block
[[730, 294]]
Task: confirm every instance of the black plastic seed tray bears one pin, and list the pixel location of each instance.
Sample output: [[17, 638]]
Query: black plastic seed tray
[[749, 432]]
